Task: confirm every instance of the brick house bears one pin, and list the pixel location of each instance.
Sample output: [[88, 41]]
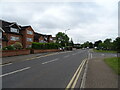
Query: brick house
[[39, 37], [12, 32], [15, 33], [28, 36], [42, 38]]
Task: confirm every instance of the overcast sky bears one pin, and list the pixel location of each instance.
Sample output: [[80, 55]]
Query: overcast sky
[[87, 21]]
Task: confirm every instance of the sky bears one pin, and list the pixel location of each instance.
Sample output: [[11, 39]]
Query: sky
[[88, 20]]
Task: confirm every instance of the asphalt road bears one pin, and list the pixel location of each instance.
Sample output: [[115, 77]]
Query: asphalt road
[[49, 71]]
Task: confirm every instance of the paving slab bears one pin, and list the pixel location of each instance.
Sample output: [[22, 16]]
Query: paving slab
[[100, 75]]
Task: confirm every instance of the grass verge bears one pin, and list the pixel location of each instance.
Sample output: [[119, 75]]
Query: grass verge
[[114, 63], [104, 51]]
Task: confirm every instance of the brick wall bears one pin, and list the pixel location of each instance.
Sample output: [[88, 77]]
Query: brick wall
[[47, 50], [15, 52]]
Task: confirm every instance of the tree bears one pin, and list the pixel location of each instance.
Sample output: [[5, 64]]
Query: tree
[[116, 44], [62, 39], [97, 43], [108, 44], [86, 44], [18, 45], [71, 43], [90, 45]]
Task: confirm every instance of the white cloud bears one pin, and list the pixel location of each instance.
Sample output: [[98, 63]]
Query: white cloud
[[88, 21]]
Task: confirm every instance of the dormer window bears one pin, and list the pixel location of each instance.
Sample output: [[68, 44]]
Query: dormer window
[[29, 32], [14, 30]]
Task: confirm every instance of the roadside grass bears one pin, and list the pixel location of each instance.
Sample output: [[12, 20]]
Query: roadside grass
[[114, 63], [104, 51]]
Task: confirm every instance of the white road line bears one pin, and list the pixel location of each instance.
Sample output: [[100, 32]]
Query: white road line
[[50, 61], [6, 64], [74, 54], [66, 56], [14, 72], [91, 55]]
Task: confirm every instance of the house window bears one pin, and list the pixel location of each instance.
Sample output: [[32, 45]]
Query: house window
[[14, 30], [13, 38], [0, 46], [29, 39], [29, 32], [51, 39], [41, 41]]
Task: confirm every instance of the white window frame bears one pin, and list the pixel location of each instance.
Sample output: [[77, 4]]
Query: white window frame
[[13, 38], [41, 41], [30, 39], [14, 30], [51, 39], [29, 32]]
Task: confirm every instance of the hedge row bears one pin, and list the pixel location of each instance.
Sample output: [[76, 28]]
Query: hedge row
[[36, 45]]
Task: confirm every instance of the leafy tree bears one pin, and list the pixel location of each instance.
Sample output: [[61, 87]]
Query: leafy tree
[[97, 43], [116, 44], [18, 45], [62, 39], [90, 45], [108, 44], [71, 43], [86, 44], [101, 46]]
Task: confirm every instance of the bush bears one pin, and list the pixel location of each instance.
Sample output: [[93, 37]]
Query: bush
[[18, 45], [36, 45], [11, 47]]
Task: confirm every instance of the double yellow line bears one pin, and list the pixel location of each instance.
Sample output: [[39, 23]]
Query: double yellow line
[[75, 77]]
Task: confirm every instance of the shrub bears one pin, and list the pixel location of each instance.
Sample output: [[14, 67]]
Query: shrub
[[36, 45], [18, 45], [11, 47]]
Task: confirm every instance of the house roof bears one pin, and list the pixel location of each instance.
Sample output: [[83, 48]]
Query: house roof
[[24, 27], [37, 35], [5, 25], [2, 29], [54, 38]]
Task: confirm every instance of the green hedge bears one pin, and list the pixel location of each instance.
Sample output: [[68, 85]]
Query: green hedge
[[11, 47], [36, 45]]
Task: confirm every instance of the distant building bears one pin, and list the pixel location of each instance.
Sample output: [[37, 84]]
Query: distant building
[[41, 38], [54, 39]]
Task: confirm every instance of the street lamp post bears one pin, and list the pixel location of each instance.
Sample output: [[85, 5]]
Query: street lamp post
[[65, 33], [66, 30]]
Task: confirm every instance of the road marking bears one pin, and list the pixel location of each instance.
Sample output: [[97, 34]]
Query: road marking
[[73, 54], [75, 77], [102, 54], [91, 55], [14, 72], [66, 56], [6, 64], [50, 61], [84, 76]]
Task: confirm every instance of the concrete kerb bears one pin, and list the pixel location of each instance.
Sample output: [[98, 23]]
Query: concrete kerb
[[84, 77]]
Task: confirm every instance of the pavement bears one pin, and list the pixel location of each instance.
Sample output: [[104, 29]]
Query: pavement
[[99, 74]]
